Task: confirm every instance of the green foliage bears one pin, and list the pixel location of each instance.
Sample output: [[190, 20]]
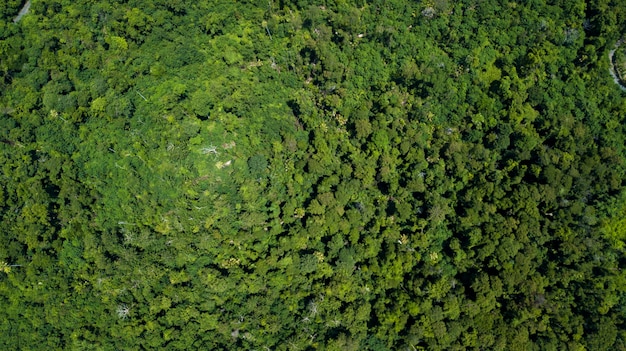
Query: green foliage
[[289, 175]]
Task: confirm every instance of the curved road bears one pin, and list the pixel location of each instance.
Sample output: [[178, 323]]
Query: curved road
[[612, 68]]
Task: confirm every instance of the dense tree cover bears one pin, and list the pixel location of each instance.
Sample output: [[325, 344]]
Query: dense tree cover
[[301, 175]]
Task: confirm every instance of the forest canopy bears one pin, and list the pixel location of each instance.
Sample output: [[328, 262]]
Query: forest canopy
[[312, 175]]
